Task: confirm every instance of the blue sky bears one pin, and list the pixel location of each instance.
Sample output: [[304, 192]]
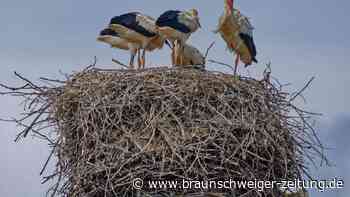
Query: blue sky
[[302, 38]]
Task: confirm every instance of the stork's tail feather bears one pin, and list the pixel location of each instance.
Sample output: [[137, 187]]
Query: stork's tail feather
[[122, 31]]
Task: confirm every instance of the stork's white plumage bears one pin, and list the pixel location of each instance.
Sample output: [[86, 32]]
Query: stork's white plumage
[[177, 27], [237, 32], [140, 30]]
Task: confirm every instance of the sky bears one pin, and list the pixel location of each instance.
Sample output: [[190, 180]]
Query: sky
[[301, 38]]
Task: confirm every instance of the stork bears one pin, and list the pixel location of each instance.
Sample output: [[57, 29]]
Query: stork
[[141, 31], [237, 32], [177, 26], [190, 56]]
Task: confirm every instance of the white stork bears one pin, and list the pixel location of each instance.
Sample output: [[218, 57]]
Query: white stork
[[190, 56], [141, 31], [237, 32], [177, 27]]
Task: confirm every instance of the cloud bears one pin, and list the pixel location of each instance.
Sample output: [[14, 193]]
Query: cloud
[[336, 137]]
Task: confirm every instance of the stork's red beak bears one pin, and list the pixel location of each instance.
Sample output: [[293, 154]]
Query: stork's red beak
[[230, 3]]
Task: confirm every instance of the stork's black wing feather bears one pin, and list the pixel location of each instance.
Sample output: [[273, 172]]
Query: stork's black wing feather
[[170, 19], [129, 21], [249, 42], [108, 32]]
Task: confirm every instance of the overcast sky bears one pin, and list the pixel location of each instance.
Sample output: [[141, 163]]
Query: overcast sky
[[302, 38]]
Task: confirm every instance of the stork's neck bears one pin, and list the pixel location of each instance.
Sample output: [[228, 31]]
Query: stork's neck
[[228, 5]]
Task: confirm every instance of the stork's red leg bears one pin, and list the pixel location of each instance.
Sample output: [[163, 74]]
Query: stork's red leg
[[236, 63], [143, 59], [182, 54], [173, 57], [176, 51], [173, 54], [139, 61], [132, 59]]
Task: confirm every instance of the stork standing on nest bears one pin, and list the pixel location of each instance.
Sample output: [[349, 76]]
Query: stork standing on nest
[[140, 31], [177, 27], [191, 56], [237, 32]]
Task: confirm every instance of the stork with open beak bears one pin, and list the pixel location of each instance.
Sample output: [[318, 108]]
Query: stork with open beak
[[237, 32], [141, 31], [177, 26]]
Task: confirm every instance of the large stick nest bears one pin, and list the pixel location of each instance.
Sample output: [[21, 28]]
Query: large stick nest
[[166, 123]]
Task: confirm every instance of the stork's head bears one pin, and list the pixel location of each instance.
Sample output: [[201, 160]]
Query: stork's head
[[194, 12], [195, 16]]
